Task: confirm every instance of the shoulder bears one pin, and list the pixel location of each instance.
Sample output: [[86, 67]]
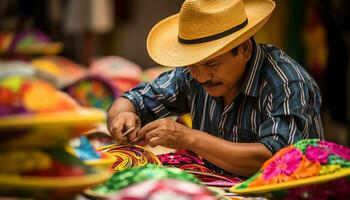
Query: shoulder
[[279, 69], [173, 75]]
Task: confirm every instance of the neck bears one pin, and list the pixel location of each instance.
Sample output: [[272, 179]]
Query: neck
[[228, 97]]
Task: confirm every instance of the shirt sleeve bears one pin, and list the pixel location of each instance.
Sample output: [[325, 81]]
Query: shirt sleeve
[[291, 113], [165, 96]]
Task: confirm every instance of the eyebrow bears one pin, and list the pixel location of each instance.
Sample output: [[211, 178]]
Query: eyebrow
[[206, 63]]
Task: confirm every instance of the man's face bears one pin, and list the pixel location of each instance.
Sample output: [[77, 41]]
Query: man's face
[[221, 75]]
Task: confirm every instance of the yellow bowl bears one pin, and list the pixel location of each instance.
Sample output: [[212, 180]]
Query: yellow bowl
[[50, 187], [47, 129], [264, 189], [103, 163]]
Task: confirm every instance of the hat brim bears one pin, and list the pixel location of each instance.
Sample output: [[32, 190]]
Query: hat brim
[[164, 48]]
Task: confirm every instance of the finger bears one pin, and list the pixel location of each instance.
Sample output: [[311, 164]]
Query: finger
[[117, 126], [147, 128], [122, 140], [150, 135], [134, 134], [116, 130], [155, 141]]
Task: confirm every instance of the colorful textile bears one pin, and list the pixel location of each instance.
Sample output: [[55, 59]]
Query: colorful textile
[[129, 156], [21, 94], [123, 73], [84, 149], [93, 91], [165, 189], [140, 174], [63, 70], [305, 159], [33, 42], [178, 159], [54, 162], [210, 178]]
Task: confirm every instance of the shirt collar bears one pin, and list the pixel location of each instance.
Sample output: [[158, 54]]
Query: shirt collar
[[251, 79]]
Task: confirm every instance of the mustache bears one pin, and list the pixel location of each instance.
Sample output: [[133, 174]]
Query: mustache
[[210, 83]]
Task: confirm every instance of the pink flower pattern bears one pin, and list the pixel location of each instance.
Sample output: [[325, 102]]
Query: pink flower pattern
[[175, 159], [336, 149], [317, 154], [284, 165]]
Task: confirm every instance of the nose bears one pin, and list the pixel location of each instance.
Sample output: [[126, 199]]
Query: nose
[[200, 73]]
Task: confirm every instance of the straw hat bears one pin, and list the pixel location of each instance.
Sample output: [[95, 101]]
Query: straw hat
[[205, 29]]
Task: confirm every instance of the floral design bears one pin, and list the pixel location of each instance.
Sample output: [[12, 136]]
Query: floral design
[[336, 149], [176, 159], [327, 169], [283, 166], [305, 159], [317, 154], [303, 144]]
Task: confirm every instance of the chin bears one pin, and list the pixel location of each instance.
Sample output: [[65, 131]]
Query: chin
[[215, 93]]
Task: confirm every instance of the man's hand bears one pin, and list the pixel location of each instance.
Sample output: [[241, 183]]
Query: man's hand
[[123, 122], [165, 132]]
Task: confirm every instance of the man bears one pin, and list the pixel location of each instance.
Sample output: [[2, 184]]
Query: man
[[247, 100]]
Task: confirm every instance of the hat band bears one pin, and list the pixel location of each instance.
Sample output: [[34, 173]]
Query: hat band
[[214, 37]]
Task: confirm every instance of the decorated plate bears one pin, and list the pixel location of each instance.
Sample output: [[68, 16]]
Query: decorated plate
[[83, 149], [83, 116], [54, 182], [135, 175], [291, 184], [47, 129], [33, 172], [103, 163], [49, 187], [128, 156], [161, 189], [310, 168]]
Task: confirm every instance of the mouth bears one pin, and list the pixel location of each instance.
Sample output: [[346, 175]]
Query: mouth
[[211, 86]]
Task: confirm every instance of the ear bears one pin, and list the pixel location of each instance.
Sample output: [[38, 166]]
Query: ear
[[247, 47]]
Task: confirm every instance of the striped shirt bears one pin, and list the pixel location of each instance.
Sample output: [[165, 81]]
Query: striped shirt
[[278, 102]]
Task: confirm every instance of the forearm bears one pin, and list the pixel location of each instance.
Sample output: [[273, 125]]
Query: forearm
[[240, 158], [119, 105]]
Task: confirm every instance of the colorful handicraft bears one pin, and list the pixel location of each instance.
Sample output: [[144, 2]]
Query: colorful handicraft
[[43, 163], [208, 177], [165, 189], [123, 73], [33, 42], [28, 95], [140, 174], [130, 156], [45, 174], [84, 149], [178, 159], [93, 91], [34, 113], [309, 163], [194, 165], [63, 70]]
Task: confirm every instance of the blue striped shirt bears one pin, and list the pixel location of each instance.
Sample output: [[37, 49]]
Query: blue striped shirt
[[278, 102]]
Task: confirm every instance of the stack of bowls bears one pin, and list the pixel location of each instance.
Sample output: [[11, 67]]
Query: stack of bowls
[[36, 122]]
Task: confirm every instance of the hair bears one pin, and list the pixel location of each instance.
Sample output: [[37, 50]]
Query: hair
[[234, 51]]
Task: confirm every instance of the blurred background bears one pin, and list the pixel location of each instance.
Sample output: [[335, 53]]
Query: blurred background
[[313, 32]]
